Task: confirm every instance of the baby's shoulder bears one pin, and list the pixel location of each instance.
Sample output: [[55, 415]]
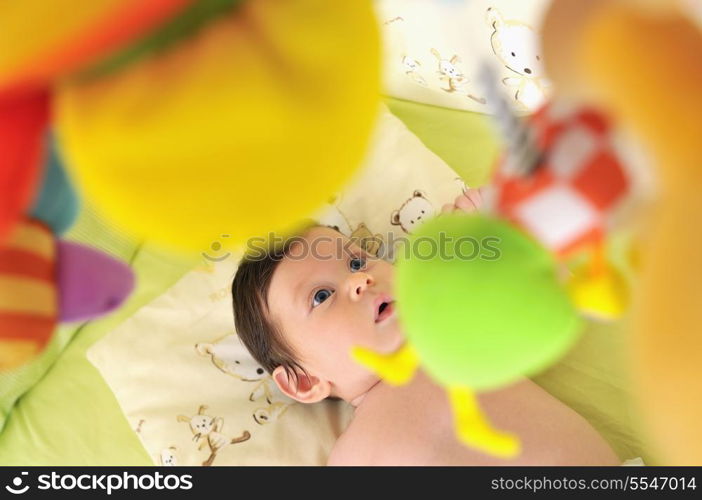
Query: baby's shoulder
[[365, 440], [394, 425], [353, 446], [341, 454]]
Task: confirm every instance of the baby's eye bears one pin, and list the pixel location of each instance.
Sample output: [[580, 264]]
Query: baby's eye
[[357, 264], [320, 296]]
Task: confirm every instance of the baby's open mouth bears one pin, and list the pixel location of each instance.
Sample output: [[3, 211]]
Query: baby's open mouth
[[385, 310]]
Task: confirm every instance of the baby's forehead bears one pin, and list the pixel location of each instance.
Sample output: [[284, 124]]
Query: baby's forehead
[[321, 243], [322, 232]]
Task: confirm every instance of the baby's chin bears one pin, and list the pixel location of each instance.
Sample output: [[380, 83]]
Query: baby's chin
[[390, 338]]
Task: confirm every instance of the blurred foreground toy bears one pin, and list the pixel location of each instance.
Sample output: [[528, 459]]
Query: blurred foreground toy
[[641, 62], [182, 119], [44, 280], [22, 131], [559, 183], [561, 180], [487, 312], [179, 120]]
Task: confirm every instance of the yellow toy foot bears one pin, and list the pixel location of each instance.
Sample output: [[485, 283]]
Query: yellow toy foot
[[601, 295], [475, 431], [395, 369]]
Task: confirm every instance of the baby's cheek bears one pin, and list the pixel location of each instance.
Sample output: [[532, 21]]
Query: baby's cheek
[[337, 343], [384, 276]]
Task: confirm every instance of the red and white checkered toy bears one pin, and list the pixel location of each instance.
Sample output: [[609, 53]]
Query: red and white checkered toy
[[577, 182]]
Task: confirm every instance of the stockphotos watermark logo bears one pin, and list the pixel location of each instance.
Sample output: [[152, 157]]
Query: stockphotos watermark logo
[[331, 246], [18, 487], [108, 483]]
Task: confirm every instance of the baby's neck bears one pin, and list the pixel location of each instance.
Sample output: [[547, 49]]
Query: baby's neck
[[356, 402]]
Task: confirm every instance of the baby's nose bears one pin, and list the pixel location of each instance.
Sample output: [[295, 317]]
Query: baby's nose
[[358, 285], [527, 71]]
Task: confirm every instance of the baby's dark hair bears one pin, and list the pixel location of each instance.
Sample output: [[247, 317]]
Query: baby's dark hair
[[259, 334]]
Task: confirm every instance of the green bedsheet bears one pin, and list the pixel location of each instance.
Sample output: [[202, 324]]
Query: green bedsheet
[[70, 417]]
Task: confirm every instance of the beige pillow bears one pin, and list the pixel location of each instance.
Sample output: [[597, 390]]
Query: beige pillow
[[433, 49], [185, 383]]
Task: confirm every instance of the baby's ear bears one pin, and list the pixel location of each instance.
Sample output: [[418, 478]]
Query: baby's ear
[[302, 387]]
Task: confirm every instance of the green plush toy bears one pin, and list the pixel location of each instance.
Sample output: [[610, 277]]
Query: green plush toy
[[481, 306]]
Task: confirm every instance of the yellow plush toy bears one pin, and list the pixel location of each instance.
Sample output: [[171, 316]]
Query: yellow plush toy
[[181, 120], [641, 61], [246, 128]]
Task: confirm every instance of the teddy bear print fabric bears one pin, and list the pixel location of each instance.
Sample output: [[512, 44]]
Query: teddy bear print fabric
[[434, 50]]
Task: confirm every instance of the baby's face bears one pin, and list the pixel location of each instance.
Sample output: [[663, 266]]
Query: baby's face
[[329, 296]]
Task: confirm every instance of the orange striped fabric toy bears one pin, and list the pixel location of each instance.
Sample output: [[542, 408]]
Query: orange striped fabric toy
[[28, 293]]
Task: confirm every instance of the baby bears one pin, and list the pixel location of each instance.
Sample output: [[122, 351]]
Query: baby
[[301, 308]]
